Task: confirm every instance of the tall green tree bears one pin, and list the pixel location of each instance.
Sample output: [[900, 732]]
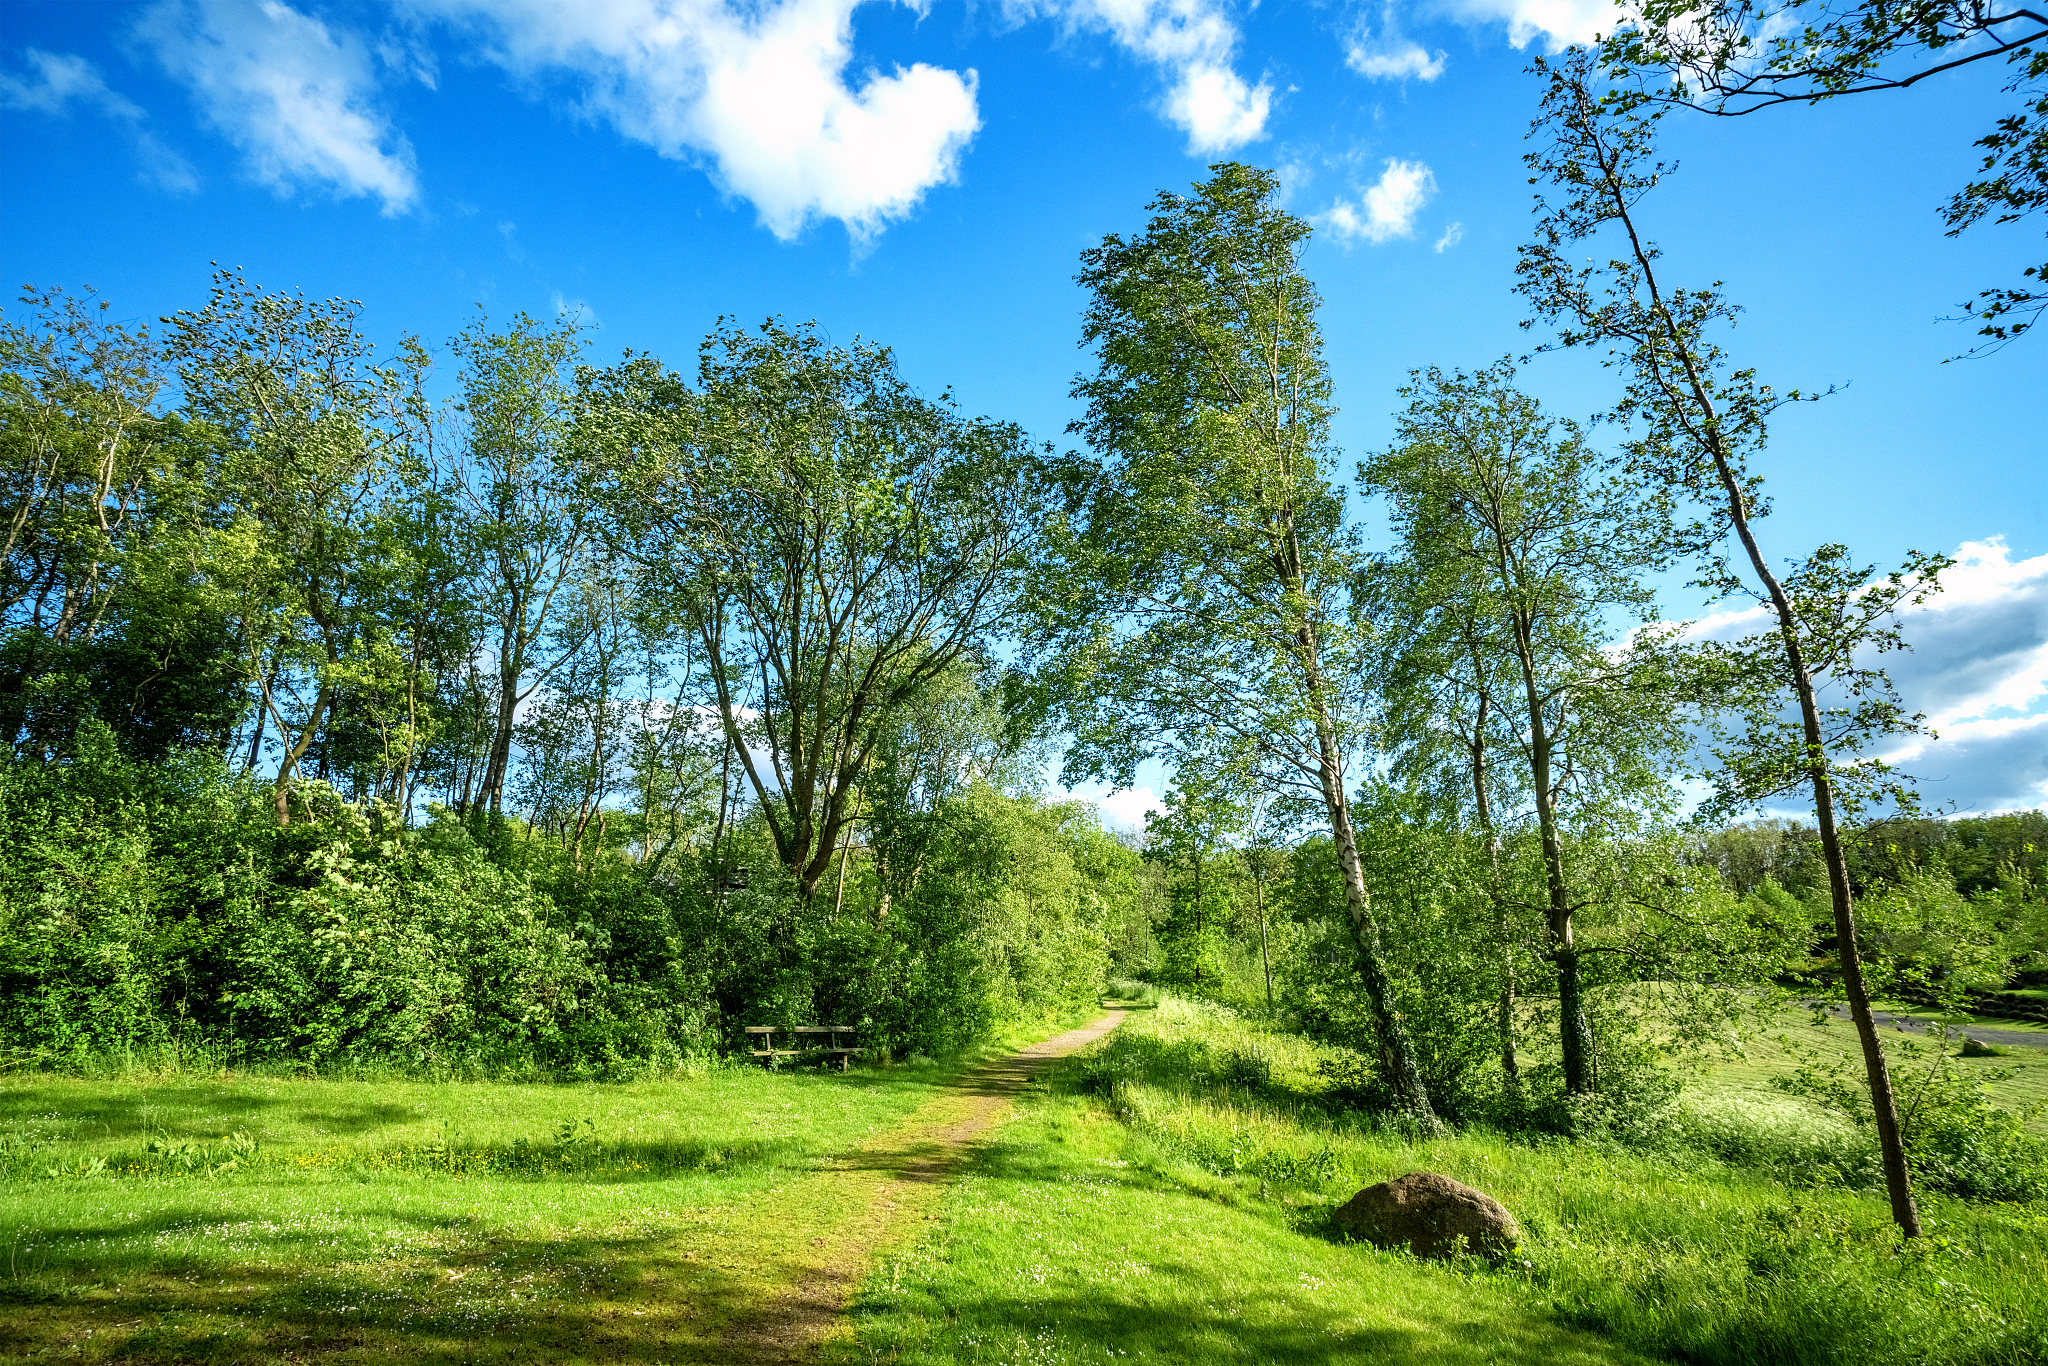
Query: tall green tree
[[105, 542], [309, 428], [1519, 555], [835, 540], [1203, 575], [1696, 424], [528, 515]]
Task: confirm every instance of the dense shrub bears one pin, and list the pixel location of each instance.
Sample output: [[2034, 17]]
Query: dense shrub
[[157, 911]]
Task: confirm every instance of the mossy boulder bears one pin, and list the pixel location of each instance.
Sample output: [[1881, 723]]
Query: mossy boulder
[[1431, 1216]]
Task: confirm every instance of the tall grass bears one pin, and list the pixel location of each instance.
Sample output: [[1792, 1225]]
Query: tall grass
[[1738, 1228]]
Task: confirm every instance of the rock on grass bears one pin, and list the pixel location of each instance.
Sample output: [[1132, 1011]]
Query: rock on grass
[[1431, 1216]]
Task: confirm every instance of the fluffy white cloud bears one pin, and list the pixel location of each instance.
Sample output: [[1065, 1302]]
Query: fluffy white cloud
[[1387, 209], [1387, 56], [758, 92], [1453, 235], [1559, 23], [1394, 61], [295, 95], [1193, 42], [1979, 670], [60, 81]]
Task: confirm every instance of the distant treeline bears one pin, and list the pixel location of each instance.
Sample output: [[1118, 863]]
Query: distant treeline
[[1979, 854]]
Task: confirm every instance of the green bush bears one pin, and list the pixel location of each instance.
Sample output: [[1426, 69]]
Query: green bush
[[156, 914]]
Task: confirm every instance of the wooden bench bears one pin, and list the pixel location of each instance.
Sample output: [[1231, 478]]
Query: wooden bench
[[770, 1055]]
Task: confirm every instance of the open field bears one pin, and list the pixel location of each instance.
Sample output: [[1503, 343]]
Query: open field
[[1163, 1196], [179, 1219], [1168, 1200], [424, 1222], [2017, 1079]]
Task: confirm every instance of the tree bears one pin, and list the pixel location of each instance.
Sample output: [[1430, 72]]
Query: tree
[[308, 429], [1444, 726], [1517, 553], [529, 519], [1192, 833], [105, 543], [1202, 581], [936, 745], [1696, 423], [1735, 57], [80, 430], [834, 540]]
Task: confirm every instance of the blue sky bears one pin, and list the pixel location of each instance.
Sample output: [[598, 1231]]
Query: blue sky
[[927, 178]]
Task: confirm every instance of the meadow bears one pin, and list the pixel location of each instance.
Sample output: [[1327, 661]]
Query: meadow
[[261, 1219], [1164, 1195], [1169, 1198]]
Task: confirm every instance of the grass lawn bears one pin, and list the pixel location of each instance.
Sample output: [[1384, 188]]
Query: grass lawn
[[1164, 1196], [425, 1222], [1168, 1198]]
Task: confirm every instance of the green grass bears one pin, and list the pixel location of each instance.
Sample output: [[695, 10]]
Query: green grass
[[178, 1217], [2016, 1079], [1130, 994], [1169, 1200], [1165, 1196], [465, 1220]]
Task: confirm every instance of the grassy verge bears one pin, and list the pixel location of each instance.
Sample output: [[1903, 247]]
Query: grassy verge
[[1169, 1200]]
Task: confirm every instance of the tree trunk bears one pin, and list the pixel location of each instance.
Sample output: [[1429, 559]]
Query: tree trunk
[[1265, 955], [1510, 1064], [1575, 1034], [1898, 1178], [492, 795], [288, 764], [1397, 1049]]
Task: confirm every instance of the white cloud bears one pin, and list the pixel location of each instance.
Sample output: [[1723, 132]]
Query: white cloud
[[61, 80], [1387, 210], [1559, 23], [1453, 235], [1395, 61], [1978, 669], [760, 92], [295, 95], [1193, 42], [1122, 808], [1388, 56], [1980, 767]]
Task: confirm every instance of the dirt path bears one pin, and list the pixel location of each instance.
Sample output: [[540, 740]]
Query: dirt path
[[1911, 1024], [872, 1199]]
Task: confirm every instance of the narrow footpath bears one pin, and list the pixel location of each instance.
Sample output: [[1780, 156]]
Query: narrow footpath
[[844, 1215]]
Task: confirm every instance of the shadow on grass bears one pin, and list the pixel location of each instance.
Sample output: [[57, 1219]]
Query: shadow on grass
[[187, 1111], [671, 1295], [1210, 1321]]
